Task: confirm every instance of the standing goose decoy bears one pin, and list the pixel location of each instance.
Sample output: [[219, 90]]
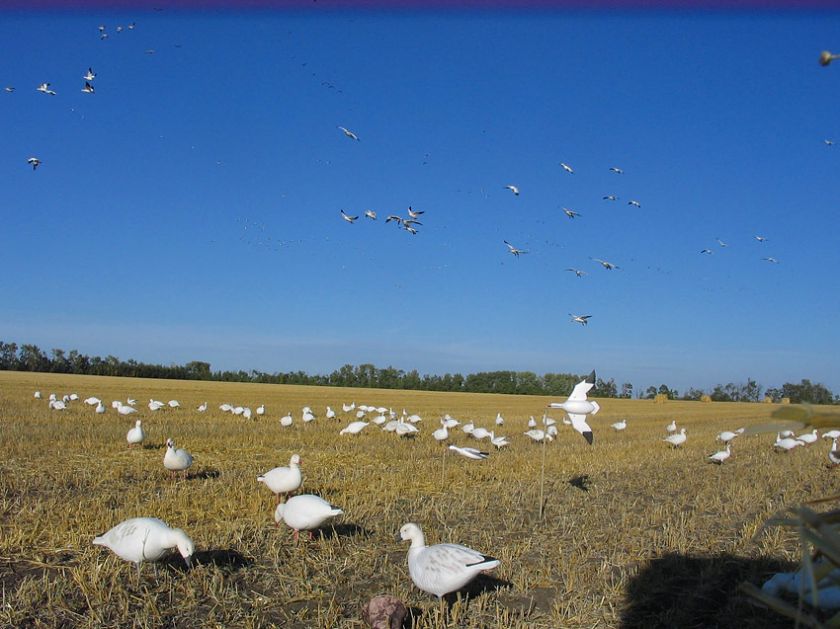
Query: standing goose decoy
[[100, 408], [305, 513], [202, 408], [286, 420], [619, 425], [721, 456], [499, 419], [676, 440], [283, 480], [135, 436], [834, 454], [727, 435], [176, 460], [672, 427], [809, 437], [353, 428], [146, 539], [442, 433], [330, 414], [261, 409], [442, 568]]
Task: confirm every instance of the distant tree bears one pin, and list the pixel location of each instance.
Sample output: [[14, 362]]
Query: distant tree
[[806, 391], [692, 394], [31, 358], [650, 393], [198, 370], [664, 389], [8, 356], [604, 388], [626, 391], [774, 394]]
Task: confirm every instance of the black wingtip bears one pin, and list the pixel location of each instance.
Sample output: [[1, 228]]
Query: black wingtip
[[590, 379], [588, 436]]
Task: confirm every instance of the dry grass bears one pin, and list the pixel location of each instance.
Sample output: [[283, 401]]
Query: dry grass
[[660, 538]]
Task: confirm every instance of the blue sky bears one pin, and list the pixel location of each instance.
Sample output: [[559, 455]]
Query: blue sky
[[189, 209]]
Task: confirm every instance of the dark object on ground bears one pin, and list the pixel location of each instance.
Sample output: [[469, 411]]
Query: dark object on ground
[[384, 612]]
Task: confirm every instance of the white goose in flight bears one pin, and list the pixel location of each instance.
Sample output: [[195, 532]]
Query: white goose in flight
[[346, 217], [349, 134], [516, 252]]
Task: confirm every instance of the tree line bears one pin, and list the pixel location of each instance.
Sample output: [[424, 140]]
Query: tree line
[[29, 357]]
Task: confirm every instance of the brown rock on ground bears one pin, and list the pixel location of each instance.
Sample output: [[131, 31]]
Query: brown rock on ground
[[384, 612]]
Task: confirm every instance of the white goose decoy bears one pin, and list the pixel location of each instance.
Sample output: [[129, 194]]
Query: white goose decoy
[[676, 440], [174, 404], [283, 480], [499, 442], [360, 413], [136, 435], [721, 456], [58, 405], [308, 416], [404, 429], [155, 405], [786, 434], [727, 435], [349, 134], [619, 425], [442, 433], [176, 460], [348, 218], [532, 423], [330, 414], [348, 407], [577, 406], [37, 395], [468, 428], [480, 433], [146, 539], [786, 443], [353, 428], [513, 189], [91, 401], [470, 453], [414, 418], [672, 427], [499, 419], [567, 168], [202, 408], [305, 513], [131, 401], [125, 409], [286, 420], [449, 422], [442, 568], [261, 409], [833, 453], [379, 420], [246, 413], [225, 408], [809, 437], [100, 408], [831, 434], [116, 404]]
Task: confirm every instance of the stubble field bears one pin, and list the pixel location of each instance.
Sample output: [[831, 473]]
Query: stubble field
[[650, 537]]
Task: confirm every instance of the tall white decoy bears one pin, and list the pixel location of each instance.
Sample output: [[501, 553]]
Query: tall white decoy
[[513, 189], [136, 435], [442, 433], [286, 420], [442, 568], [246, 413], [202, 408], [833, 453], [330, 414], [305, 513], [176, 460], [532, 423], [567, 168], [34, 162], [100, 408], [619, 425], [514, 250], [500, 442], [582, 319], [283, 480], [672, 427], [499, 419], [721, 456], [146, 539], [348, 218], [261, 409], [578, 406], [37, 395], [727, 435], [676, 440], [353, 428], [350, 134], [470, 453]]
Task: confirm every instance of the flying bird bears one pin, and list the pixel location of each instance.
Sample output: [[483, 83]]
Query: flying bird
[[513, 249], [349, 134], [707, 251], [45, 88], [513, 189], [609, 266], [34, 162], [721, 243], [349, 219], [634, 203], [577, 406], [577, 272], [89, 75], [570, 213], [582, 319], [9, 89], [415, 213], [610, 197], [88, 88], [567, 168], [370, 214], [760, 238], [829, 142], [771, 260], [616, 170]]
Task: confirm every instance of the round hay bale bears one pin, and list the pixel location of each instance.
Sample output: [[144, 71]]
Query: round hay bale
[[785, 400], [660, 398], [768, 399], [705, 398]]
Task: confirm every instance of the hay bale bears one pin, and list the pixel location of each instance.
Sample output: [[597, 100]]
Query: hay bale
[[785, 400], [660, 398], [705, 398], [768, 399]]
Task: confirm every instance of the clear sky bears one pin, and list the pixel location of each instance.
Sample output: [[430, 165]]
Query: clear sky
[[189, 209]]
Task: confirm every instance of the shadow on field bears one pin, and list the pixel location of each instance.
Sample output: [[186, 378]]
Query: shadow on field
[[226, 560], [684, 591], [342, 530], [482, 584], [203, 475], [154, 446]]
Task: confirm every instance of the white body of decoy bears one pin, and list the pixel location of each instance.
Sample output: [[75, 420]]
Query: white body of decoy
[[379, 420], [831, 434], [286, 420], [37, 395], [330, 414], [672, 427], [532, 423], [619, 425], [450, 422], [155, 405], [787, 443], [728, 435], [305, 512], [125, 409], [809, 437], [308, 416], [833, 453], [57, 405], [499, 419], [468, 428], [100, 408], [721, 456], [283, 480], [537, 435], [406, 430], [92, 401], [246, 413], [52, 397], [499, 442], [348, 407], [470, 453], [441, 434], [145, 539], [442, 568], [353, 428], [677, 439], [136, 434], [202, 408], [176, 459], [131, 402], [480, 433], [261, 409], [174, 404]]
